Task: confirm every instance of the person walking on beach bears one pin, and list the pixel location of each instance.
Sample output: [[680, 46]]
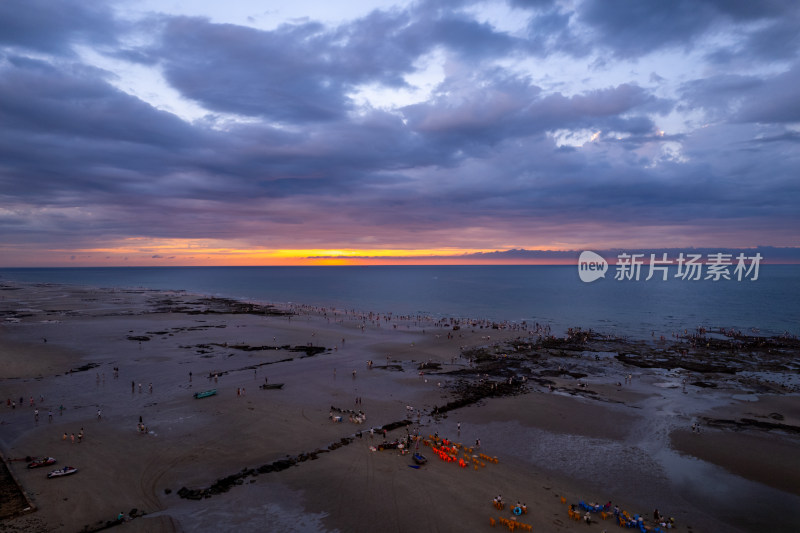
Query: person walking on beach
[[36, 415], [72, 438], [49, 415], [98, 415]]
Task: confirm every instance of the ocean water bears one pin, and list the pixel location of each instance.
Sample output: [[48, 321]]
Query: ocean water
[[551, 295]]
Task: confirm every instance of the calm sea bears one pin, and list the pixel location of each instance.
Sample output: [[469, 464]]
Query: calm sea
[[546, 294]]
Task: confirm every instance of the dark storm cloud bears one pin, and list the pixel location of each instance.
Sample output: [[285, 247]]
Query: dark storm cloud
[[52, 27], [462, 35], [511, 107], [304, 72], [735, 98], [285, 75], [68, 131], [550, 31], [632, 29], [770, 254], [775, 100], [76, 100]]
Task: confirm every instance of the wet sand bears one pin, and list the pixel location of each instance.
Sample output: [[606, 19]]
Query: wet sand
[[629, 444]]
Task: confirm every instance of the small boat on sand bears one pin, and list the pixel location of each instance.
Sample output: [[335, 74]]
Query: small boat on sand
[[61, 472], [272, 386], [420, 459], [36, 463], [205, 394]]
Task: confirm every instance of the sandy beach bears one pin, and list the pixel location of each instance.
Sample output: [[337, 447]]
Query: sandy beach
[[565, 425]]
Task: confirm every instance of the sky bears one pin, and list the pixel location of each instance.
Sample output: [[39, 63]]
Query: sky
[[139, 133]]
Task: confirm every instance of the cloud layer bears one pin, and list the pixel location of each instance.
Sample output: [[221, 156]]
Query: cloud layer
[[433, 125]]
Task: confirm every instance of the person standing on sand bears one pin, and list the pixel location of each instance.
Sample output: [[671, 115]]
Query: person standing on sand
[[49, 415], [72, 438], [98, 415]]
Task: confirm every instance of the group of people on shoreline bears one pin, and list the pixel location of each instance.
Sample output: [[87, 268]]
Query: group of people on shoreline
[[72, 437]]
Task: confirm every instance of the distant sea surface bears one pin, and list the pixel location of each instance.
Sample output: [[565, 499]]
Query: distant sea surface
[[551, 295]]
